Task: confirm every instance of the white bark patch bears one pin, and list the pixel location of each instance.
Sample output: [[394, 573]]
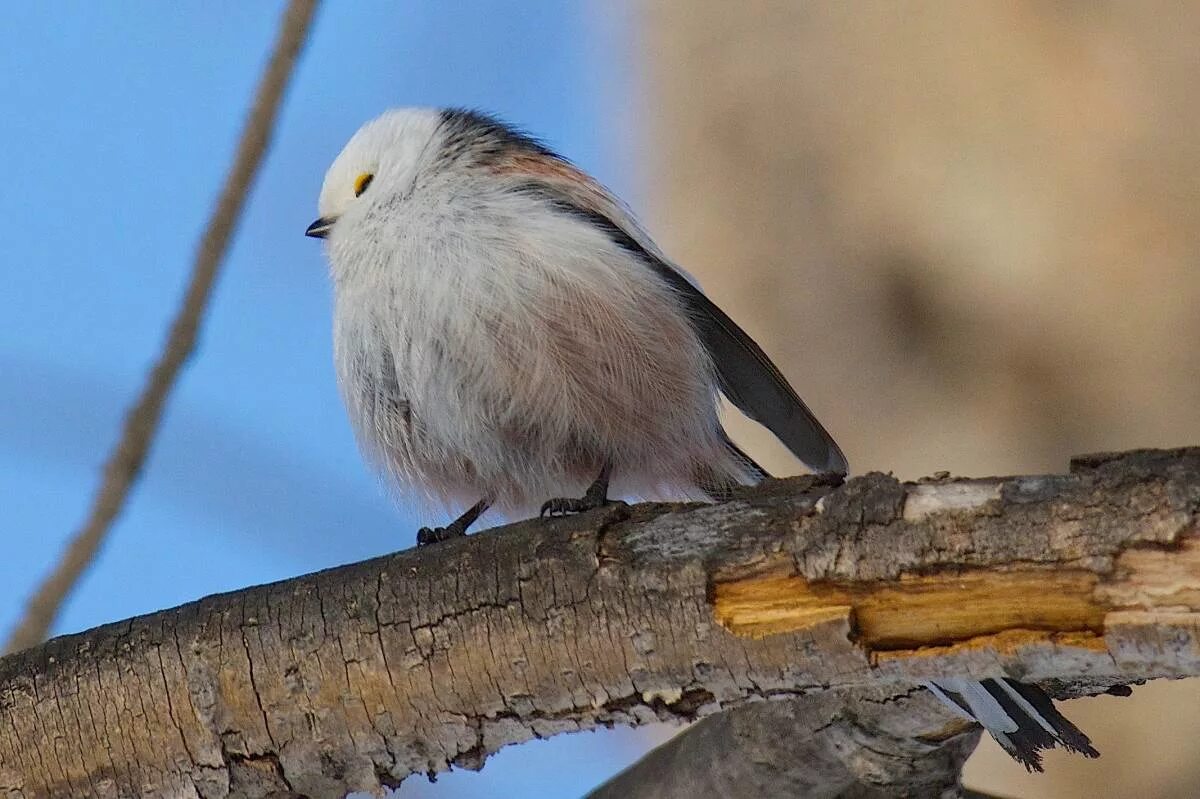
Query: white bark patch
[[926, 499]]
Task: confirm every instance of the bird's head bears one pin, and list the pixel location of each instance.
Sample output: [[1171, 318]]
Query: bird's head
[[391, 154], [382, 157]]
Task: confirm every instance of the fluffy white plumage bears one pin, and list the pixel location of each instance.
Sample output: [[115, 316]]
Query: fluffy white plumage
[[488, 345]]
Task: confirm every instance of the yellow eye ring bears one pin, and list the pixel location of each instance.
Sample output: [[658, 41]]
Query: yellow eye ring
[[362, 182]]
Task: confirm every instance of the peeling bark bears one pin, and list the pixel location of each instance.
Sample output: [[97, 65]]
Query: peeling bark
[[359, 676]]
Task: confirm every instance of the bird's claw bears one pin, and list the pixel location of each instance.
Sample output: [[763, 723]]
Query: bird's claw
[[566, 506], [436, 535], [596, 496]]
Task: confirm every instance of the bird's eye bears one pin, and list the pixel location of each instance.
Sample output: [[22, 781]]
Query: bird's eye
[[362, 182]]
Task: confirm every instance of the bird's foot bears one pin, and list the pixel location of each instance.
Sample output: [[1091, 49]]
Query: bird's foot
[[436, 535], [456, 528], [565, 506], [596, 497]]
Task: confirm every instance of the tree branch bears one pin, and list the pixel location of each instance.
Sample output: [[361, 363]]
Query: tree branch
[[141, 422], [848, 743], [358, 676]]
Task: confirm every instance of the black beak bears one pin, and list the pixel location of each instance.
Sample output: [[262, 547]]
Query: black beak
[[320, 229]]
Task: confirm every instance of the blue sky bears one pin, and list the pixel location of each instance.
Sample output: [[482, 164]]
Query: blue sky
[[119, 119]]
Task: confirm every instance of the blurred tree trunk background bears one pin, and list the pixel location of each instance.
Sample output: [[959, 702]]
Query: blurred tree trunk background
[[969, 234]]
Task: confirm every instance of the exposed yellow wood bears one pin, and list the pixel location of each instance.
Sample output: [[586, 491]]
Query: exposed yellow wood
[[920, 611], [760, 606], [1006, 642], [917, 610], [1157, 578]]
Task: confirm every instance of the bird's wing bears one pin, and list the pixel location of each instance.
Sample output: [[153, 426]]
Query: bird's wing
[[744, 372], [751, 381]]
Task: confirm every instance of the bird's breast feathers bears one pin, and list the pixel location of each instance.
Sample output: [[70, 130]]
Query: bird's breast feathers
[[536, 332]]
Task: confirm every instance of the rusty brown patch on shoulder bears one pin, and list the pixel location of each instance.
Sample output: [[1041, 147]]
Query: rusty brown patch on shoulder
[[538, 166], [565, 177]]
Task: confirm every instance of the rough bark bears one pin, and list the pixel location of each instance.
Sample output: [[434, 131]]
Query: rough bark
[[361, 675], [851, 743]]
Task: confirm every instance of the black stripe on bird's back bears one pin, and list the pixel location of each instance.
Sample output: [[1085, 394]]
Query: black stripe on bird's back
[[744, 372], [485, 138]]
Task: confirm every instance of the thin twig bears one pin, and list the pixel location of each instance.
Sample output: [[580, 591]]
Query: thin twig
[[141, 422]]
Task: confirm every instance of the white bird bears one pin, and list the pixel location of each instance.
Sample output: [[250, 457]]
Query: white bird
[[506, 333]]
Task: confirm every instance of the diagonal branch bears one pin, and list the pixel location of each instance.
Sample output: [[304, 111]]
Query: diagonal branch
[[850, 743], [417, 661], [126, 459]]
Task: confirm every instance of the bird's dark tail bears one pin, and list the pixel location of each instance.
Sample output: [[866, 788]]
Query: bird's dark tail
[[1020, 716]]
